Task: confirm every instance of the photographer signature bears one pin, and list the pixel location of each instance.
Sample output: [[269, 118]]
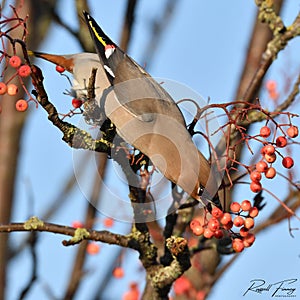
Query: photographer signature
[[283, 288]]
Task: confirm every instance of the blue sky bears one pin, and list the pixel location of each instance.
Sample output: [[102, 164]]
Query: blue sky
[[203, 48]]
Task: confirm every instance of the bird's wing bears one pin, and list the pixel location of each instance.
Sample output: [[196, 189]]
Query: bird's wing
[[147, 117]]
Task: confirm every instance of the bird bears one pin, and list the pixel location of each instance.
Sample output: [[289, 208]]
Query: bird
[[144, 113]]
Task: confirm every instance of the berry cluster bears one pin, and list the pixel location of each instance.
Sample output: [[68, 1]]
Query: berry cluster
[[221, 223], [22, 71], [269, 153]]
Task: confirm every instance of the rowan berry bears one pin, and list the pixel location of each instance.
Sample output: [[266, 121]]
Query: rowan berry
[[208, 233], [194, 223], [292, 131], [198, 230], [253, 212], [12, 89], [213, 224], [3, 88], [228, 226], [235, 207], [287, 162], [244, 232], [238, 221], [92, 248], [108, 222], [270, 173], [246, 205], [15, 61], [249, 240], [182, 285], [261, 166], [216, 212], [249, 223], [77, 224], [281, 142], [269, 149], [76, 102], [271, 85], [238, 245], [59, 69], [24, 71], [255, 187], [226, 218], [255, 176], [218, 234], [118, 272], [265, 131], [21, 105], [270, 158]]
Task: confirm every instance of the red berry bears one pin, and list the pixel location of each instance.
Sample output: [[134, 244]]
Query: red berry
[[235, 207], [249, 223], [24, 71], [59, 69], [261, 166], [244, 231], [21, 105], [15, 61], [228, 226], [92, 248], [226, 218], [269, 149], [246, 205], [237, 245], [218, 234], [194, 223], [108, 222], [255, 187], [281, 142], [12, 89], [249, 240], [287, 162], [255, 176], [182, 285], [213, 224], [238, 221], [265, 131], [76, 102], [270, 173], [77, 224], [253, 212], [270, 158], [208, 233], [271, 85], [118, 272], [3, 88], [198, 230], [216, 212], [292, 131]]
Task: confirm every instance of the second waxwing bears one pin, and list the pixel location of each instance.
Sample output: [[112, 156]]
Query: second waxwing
[[144, 114]]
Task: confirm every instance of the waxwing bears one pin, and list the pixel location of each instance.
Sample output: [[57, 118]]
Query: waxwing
[[144, 114]]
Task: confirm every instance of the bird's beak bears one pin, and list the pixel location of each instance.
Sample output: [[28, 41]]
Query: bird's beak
[[67, 63]]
